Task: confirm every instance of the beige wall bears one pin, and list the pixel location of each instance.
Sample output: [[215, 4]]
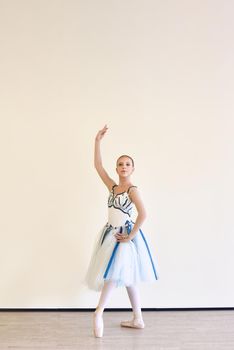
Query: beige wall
[[160, 74]]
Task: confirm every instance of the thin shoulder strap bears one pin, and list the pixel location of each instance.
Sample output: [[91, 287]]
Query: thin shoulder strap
[[113, 187], [130, 188]]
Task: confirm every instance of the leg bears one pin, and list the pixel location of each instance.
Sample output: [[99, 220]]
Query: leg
[[104, 298], [137, 321], [134, 297]]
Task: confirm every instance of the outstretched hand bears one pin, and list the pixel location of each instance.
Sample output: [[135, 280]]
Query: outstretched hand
[[101, 133]]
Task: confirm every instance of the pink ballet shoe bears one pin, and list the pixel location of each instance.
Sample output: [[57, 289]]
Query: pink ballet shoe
[[98, 325], [139, 324]]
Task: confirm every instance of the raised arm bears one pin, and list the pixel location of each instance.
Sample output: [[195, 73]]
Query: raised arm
[[98, 159]]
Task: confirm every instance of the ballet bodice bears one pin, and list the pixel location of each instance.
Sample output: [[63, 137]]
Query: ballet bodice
[[120, 208]]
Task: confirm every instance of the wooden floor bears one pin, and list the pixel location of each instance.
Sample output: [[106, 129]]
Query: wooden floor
[[165, 330]]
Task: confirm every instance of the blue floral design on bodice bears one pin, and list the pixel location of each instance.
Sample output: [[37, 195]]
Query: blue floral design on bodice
[[121, 201]]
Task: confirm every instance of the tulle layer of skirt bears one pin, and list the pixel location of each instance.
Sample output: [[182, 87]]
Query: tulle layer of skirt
[[126, 263]]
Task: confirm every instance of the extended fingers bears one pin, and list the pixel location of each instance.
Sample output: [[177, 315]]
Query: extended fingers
[[102, 132], [104, 129]]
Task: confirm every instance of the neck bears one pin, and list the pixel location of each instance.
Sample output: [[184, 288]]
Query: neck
[[123, 182]]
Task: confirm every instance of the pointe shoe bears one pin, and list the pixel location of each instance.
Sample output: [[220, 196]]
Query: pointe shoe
[[98, 325], [139, 324]]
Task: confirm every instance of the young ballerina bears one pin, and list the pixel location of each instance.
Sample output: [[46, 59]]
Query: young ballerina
[[121, 255]]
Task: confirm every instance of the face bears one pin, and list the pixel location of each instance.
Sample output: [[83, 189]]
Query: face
[[124, 167]]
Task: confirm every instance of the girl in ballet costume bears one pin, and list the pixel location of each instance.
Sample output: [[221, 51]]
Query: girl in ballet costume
[[121, 254]]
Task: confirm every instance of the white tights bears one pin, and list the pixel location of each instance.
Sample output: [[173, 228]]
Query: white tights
[[133, 294]]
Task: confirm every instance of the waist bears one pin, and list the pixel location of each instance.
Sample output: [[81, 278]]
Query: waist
[[127, 224], [117, 217]]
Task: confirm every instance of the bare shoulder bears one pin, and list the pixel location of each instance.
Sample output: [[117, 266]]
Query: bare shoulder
[[135, 197], [134, 193]]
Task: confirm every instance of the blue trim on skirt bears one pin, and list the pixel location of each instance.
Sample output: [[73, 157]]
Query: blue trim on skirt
[[129, 228]]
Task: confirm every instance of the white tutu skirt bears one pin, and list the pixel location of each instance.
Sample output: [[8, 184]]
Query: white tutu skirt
[[126, 263]]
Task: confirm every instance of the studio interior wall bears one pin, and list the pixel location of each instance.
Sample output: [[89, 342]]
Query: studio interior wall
[[160, 75]]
